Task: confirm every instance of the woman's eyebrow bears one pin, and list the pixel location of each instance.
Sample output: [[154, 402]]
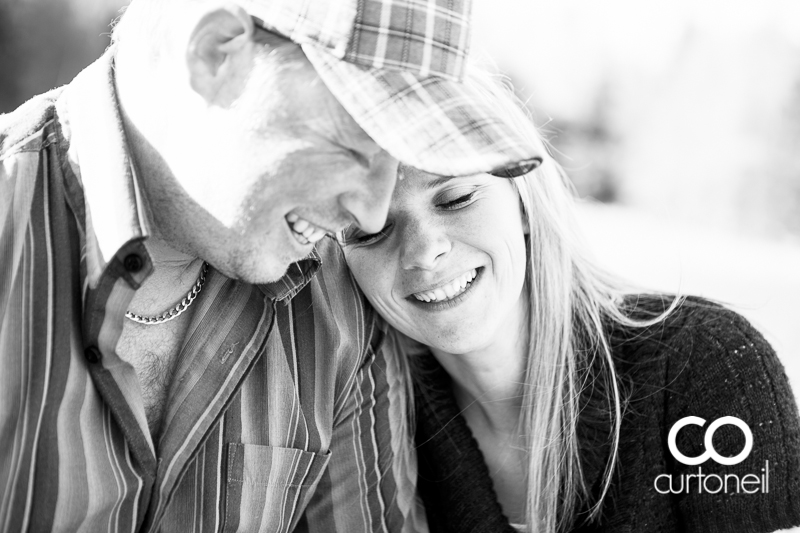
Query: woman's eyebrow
[[438, 181]]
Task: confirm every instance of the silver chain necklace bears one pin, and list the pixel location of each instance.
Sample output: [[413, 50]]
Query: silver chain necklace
[[176, 311]]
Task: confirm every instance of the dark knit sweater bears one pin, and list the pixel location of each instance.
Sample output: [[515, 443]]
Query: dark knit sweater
[[703, 361]]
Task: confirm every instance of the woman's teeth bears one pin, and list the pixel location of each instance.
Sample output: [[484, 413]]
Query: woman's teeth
[[449, 291], [304, 231]]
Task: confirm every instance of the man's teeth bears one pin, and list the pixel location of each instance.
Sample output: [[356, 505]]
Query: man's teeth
[[451, 290], [304, 231]]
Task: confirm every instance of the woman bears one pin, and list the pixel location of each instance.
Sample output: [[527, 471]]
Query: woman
[[546, 390]]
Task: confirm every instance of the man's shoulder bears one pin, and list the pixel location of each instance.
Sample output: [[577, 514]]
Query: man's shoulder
[[334, 275], [21, 129], [334, 293]]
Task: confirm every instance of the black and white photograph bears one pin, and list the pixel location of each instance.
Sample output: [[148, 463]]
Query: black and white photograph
[[399, 266]]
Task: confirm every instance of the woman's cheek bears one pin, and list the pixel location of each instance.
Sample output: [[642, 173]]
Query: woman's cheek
[[358, 263], [370, 273]]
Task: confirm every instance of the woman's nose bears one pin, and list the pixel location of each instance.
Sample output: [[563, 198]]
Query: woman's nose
[[368, 202], [423, 245]]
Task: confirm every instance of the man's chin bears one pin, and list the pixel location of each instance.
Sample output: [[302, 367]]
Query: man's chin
[[258, 272], [259, 262]]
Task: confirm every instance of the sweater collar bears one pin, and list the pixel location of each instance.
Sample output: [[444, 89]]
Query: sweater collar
[[450, 454]]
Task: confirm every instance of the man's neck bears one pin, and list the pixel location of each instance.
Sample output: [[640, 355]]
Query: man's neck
[[174, 274], [175, 267]]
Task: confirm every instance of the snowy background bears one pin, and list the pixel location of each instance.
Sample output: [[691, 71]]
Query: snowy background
[[679, 122]]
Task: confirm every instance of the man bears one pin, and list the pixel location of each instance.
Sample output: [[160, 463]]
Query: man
[[173, 357]]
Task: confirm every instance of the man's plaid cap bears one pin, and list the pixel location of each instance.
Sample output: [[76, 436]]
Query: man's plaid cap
[[397, 67]]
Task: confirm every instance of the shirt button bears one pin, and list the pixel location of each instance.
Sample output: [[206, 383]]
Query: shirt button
[[133, 263], [93, 354]]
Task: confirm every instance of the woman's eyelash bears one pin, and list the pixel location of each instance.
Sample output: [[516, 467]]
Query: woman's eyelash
[[463, 199], [371, 238]]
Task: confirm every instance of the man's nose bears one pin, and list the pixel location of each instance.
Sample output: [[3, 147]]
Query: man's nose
[[368, 204], [422, 245]]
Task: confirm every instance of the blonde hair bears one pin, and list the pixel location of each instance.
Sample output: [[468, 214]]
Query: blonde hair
[[572, 303]]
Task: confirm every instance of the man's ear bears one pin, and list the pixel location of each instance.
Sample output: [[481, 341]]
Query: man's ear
[[220, 53]]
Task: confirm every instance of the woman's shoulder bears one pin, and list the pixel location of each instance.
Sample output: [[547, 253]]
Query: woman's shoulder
[[702, 358], [689, 314], [701, 366], [697, 335]]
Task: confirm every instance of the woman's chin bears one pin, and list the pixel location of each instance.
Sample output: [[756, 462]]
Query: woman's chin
[[465, 339], [457, 331]]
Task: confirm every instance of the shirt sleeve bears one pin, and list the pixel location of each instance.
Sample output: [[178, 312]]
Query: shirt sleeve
[[31, 323], [732, 371], [370, 482]]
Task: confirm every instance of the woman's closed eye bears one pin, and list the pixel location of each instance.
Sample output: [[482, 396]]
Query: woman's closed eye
[[449, 200], [455, 199]]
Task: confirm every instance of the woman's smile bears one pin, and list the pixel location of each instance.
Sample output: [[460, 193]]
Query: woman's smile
[[449, 294]]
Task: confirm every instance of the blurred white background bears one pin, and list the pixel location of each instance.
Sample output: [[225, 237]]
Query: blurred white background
[[679, 122]]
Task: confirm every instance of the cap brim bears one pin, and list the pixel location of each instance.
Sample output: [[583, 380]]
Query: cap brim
[[440, 126]]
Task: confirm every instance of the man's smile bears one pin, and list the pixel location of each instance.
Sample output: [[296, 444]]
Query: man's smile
[[304, 231]]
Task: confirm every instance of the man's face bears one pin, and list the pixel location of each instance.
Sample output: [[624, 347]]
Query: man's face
[[280, 168]]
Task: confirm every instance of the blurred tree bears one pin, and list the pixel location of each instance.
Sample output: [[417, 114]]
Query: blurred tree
[[587, 148], [45, 43], [9, 64], [789, 164], [584, 144]]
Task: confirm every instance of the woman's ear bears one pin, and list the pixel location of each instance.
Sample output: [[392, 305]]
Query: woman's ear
[[220, 53]]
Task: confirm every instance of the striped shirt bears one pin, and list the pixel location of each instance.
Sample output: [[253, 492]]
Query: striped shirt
[[283, 412]]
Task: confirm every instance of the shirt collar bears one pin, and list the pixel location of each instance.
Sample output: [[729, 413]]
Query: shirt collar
[[115, 209], [297, 276]]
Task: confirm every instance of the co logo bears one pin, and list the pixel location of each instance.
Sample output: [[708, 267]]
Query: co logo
[[710, 451]]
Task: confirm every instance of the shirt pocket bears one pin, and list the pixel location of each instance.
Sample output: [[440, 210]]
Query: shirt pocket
[[268, 488]]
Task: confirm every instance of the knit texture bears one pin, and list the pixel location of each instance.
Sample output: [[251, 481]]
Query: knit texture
[[703, 361]]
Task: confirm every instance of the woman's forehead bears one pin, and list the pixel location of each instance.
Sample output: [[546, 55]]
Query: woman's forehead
[[416, 187], [412, 179]]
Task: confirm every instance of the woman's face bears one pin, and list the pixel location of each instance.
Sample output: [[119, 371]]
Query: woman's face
[[448, 269]]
